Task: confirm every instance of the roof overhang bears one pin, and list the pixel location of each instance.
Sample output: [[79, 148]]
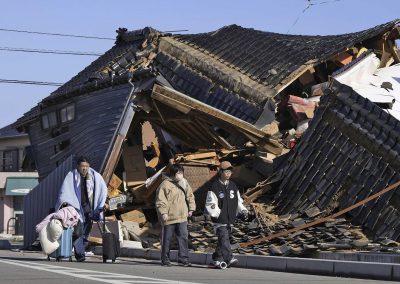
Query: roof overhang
[[20, 185]]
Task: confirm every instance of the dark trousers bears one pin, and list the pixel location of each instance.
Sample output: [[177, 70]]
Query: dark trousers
[[223, 250], [82, 233], [181, 233]]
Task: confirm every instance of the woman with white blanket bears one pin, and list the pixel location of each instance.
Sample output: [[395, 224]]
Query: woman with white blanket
[[85, 190]]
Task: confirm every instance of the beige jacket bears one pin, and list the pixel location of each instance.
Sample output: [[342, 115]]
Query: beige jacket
[[171, 200]]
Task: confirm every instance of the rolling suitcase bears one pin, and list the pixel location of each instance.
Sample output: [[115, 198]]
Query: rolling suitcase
[[111, 246], [65, 248]]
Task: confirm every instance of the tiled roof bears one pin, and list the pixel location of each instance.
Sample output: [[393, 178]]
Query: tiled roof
[[264, 57], [350, 151], [9, 131], [113, 64], [271, 57], [186, 80]]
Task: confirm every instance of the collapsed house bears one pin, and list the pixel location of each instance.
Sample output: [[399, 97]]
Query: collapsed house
[[237, 94]]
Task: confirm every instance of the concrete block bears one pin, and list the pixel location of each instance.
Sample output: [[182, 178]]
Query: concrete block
[[197, 258], [396, 272], [208, 258], [242, 260], [154, 254], [311, 266], [369, 270], [266, 262], [131, 244]]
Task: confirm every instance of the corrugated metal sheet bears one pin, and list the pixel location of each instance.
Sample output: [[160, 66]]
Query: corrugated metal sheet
[[38, 202]]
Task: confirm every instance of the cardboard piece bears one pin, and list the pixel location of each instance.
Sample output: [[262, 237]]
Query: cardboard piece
[[136, 216], [134, 165], [113, 186]]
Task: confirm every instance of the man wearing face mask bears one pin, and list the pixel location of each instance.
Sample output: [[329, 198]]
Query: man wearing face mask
[[175, 203]]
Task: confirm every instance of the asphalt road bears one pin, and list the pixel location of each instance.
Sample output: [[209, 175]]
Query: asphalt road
[[33, 268]]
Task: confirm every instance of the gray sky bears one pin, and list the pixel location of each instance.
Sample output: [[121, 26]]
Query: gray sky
[[102, 17]]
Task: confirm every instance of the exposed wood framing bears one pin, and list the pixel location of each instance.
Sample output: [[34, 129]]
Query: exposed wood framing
[[174, 98]]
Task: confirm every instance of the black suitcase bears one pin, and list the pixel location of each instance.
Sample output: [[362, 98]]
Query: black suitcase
[[111, 246]]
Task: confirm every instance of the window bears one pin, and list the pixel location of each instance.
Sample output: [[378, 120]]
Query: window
[[10, 161], [67, 113], [49, 120]]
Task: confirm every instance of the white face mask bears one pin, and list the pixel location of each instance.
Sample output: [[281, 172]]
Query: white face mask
[[178, 176]]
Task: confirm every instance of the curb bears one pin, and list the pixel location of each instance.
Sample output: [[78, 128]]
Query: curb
[[339, 268]]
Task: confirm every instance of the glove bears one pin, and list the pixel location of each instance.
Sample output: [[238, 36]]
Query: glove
[[164, 217]]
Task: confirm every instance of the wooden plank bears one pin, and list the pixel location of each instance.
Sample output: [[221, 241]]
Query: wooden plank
[[172, 98]]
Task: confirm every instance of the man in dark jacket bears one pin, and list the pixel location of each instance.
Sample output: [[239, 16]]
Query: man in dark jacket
[[223, 205]]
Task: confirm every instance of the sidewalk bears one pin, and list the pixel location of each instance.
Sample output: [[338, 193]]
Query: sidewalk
[[338, 268]]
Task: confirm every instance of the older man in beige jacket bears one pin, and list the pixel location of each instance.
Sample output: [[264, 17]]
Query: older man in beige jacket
[[175, 203]]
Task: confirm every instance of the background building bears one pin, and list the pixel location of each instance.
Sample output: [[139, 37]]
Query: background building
[[17, 178]]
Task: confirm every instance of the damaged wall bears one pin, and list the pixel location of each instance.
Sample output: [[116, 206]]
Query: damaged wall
[[349, 152], [96, 118]]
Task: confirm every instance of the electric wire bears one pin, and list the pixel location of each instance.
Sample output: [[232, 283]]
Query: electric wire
[[39, 83], [65, 52], [55, 34]]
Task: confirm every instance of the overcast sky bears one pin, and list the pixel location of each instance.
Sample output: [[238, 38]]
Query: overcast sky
[[101, 18]]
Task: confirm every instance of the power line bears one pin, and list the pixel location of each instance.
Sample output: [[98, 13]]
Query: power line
[[17, 49], [8, 81], [309, 4], [56, 34]]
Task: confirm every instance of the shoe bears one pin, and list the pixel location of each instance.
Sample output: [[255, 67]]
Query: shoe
[[80, 259], [166, 263], [185, 263], [232, 261], [89, 253], [215, 263]]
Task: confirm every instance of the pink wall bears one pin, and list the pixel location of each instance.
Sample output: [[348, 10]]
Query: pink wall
[[6, 212]]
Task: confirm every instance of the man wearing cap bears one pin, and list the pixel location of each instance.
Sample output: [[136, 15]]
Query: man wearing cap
[[223, 205]]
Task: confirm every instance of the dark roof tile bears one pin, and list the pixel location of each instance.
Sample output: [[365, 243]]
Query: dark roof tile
[[357, 165]]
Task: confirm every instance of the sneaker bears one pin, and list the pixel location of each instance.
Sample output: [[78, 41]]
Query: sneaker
[[166, 263], [215, 263], [185, 263], [233, 261], [89, 253], [80, 259]]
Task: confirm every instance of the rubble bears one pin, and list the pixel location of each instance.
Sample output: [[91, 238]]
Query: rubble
[[309, 132]]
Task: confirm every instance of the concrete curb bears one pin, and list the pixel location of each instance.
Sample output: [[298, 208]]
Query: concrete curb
[[352, 269]]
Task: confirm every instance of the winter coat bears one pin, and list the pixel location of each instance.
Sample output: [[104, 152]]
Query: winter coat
[[223, 202], [172, 200]]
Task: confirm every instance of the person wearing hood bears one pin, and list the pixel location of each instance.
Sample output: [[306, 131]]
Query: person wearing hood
[[175, 203], [84, 189]]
